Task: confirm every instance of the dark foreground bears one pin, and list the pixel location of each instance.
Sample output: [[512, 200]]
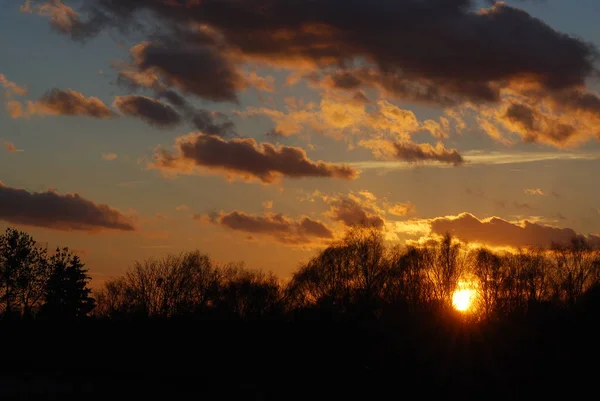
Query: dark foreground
[[305, 360]]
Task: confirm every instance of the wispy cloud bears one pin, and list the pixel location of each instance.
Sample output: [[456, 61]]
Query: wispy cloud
[[11, 148], [109, 156], [481, 158]]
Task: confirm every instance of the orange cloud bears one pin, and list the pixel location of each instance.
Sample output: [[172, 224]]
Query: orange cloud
[[59, 102], [353, 211], [498, 232], [562, 119], [109, 156], [11, 88], [11, 148], [265, 84], [534, 191], [14, 109], [401, 209], [243, 159], [339, 117], [66, 20]]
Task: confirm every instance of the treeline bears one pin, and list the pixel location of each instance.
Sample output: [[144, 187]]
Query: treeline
[[357, 277], [360, 277], [360, 320], [37, 283]]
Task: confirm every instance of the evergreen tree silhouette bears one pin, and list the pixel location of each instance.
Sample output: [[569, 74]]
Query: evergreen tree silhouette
[[67, 293]]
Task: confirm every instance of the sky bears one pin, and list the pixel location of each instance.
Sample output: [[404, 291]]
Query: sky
[[261, 130]]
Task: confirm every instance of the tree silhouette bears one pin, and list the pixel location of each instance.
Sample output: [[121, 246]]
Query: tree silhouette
[[445, 266], [487, 267], [23, 273], [67, 292]]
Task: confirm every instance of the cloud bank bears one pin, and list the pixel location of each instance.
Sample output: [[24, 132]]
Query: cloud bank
[[60, 212], [494, 231]]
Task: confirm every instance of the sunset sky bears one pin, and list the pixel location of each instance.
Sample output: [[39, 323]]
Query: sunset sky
[[260, 130]]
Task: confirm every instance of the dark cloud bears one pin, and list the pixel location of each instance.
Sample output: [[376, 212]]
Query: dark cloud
[[207, 122], [200, 70], [70, 103], [150, 110], [244, 159], [61, 212], [414, 153], [451, 45], [213, 123], [277, 226], [562, 118], [353, 213], [498, 232], [534, 125]]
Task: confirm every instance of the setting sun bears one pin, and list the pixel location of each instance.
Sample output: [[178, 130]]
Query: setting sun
[[461, 300], [463, 297]]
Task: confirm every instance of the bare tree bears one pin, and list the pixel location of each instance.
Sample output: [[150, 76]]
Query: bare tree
[[576, 269], [487, 268], [407, 280], [445, 267], [23, 273]]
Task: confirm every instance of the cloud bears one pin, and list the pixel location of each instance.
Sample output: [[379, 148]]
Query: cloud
[[11, 88], [66, 20], [208, 122], [57, 102], [498, 232], [268, 204], [265, 84], [152, 111], [197, 69], [561, 119], [402, 209], [60, 212], [368, 195], [243, 159], [516, 72], [11, 148], [483, 158], [278, 227], [353, 212], [476, 58], [534, 191], [415, 153], [14, 109], [109, 156], [26, 7], [341, 116]]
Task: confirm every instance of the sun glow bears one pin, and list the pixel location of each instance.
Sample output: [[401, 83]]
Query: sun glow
[[463, 297]]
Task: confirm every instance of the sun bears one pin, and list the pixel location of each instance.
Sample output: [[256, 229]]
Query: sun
[[463, 297], [461, 300]]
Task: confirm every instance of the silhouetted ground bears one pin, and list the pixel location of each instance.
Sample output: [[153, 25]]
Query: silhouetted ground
[[301, 360]]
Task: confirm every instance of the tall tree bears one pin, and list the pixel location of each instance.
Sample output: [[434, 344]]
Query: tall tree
[[23, 273], [67, 291]]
